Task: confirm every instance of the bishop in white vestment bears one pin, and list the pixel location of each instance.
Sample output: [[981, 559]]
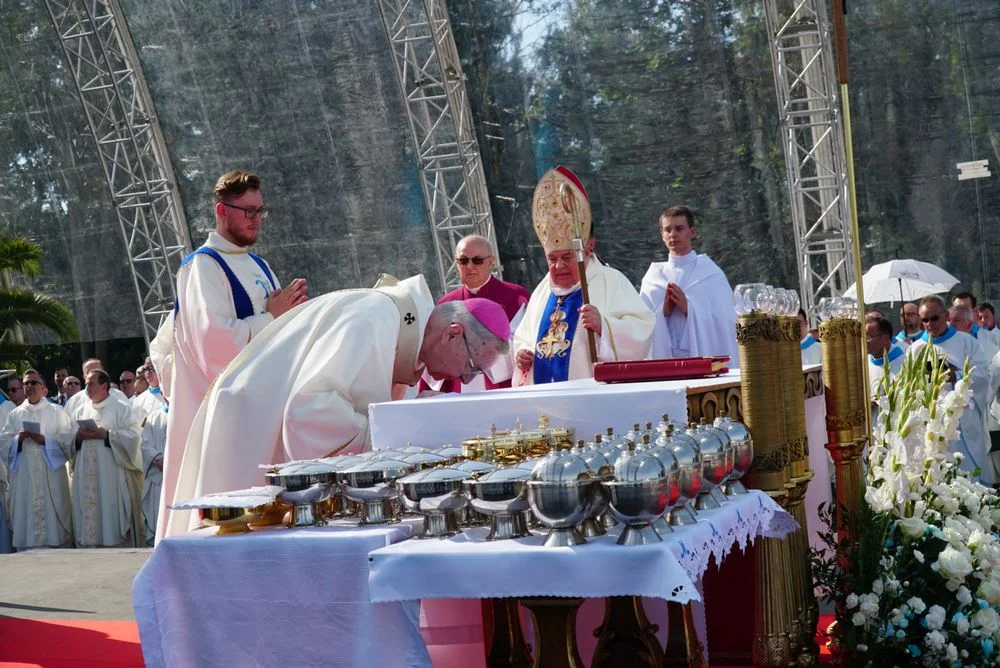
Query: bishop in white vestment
[[107, 470], [551, 342], [40, 510], [301, 389], [690, 297], [154, 441]]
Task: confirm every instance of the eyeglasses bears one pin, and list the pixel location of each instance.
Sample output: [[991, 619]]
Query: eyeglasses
[[477, 260], [76, 382], [472, 371], [124, 381], [250, 213], [933, 318], [32, 382], [147, 369]]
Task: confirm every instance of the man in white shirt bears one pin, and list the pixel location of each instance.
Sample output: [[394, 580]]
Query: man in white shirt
[[689, 295], [812, 350], [226, 296]]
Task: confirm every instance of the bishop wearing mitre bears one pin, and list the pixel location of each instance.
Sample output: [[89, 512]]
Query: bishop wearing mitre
[[551, 342]]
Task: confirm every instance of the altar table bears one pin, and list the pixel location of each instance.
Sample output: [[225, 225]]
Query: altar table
[[278, 597]]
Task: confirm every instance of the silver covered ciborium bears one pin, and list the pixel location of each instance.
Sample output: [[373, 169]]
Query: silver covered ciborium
[[727, 444], [742, 443], [306, 486], [472, 468], [424, 460], [600, 470], [437, 495], [713, 465], [639, 494], [673, 469], [560, 492], [370, 483], [502, 495], [688, 457]]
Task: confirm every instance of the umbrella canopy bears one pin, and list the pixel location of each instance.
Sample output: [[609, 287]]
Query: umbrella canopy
[[903, 280]]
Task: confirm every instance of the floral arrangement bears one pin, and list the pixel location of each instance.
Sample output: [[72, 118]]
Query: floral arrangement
[[923, 586]]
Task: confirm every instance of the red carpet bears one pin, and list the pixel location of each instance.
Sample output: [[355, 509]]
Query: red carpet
[[68, 644]]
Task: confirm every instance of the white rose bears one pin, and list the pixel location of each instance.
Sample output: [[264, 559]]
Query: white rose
[[990, 591], [869, 604], [934, 640], [964, 596], [858, 618], [918, 555], [987, 620], [912, 527], [916, 605], [935, 617], [953, 564], [852, 601], [962, 626], [951, 652], [976, 539], [877, 587]]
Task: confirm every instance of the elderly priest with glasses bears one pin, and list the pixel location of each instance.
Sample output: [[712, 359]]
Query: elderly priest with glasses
[[301, 388], [552, 342]]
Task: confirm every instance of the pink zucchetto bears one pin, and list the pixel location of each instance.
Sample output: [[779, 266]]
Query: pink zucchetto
[[491, 315]]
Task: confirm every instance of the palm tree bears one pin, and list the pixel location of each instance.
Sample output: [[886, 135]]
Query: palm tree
[[22, 307]]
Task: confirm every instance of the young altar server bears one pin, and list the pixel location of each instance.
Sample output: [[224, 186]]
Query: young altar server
[[691, 297], [551, 343]]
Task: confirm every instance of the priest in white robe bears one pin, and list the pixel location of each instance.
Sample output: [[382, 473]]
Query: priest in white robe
[[154, 441], [107, 470], [689, 295], [150, 400], [973, 444], [226, 296], [551, 342], [301, 389], [36, 442], [885, 355]]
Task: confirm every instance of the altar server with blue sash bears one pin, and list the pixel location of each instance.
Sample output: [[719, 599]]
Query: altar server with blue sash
[[551, 341], [885, 355], [226, 295]]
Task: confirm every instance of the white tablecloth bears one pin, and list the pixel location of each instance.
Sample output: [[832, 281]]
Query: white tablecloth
[[586, 405], [468, 566], [280, 597]]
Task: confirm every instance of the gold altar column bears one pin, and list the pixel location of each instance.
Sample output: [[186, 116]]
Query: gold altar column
[[763, 412], [846, 422], [803, 628]]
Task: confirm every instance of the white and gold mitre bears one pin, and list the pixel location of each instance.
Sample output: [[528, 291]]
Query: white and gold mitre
[[557, 192]]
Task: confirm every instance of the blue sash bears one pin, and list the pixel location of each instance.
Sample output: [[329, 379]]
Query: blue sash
[[893, 354], [554, 341], [241, 300], [948, 333], [809, 341]]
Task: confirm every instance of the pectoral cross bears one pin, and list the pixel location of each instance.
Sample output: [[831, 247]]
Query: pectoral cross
[[554, 342]]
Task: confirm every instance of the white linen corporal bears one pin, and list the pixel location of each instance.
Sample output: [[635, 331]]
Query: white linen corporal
[[154, 441], [301, 389], [627, 325], [193, 347], [709, 328], [107, 481], [973, 443], [284, 597], [40, 509]]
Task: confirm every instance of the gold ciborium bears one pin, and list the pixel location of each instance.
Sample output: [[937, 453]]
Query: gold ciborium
[[229, 520]]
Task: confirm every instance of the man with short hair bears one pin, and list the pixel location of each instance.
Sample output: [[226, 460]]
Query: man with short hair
[[987, 316], [551, 343], [36, 442], [152, 400], [107, 470], [126, 383], [811, 348], [909, 321], [226, 296], [474, 260], [885, 356], [90, 365], [689, 295], [15, 390], [60, 375], [71, 385], [960, 347], [140, 380], [341, 352]]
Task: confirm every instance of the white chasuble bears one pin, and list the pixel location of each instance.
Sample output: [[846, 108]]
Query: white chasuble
[[40, 511], [709, 327], [193, 347], [301, 389], [627, 324], [973, 443], [107, 478]]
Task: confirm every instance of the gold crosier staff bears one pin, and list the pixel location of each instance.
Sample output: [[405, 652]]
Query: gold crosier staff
[[568, 198]]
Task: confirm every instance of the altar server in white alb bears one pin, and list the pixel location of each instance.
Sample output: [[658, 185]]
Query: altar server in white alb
[[226, 296], [301, 389], [885, 355], [154, 441], [150, 400], [958, 346], [691, 297], [809, 345], [551, 342], [107, 470], [36, 443]]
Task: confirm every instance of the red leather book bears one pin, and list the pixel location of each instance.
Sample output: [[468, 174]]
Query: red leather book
[[672, 369]]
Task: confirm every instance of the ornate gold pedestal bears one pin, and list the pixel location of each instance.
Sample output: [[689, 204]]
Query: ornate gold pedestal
[[507, 649], [555, 631], [626, 637]]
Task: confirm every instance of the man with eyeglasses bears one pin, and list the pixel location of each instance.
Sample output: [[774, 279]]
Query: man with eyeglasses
[[302, 388], [71, 386], [226, 296], [126, 383], [474, 260], [967, 299], [959, 347], [36, 443], [152, 400]]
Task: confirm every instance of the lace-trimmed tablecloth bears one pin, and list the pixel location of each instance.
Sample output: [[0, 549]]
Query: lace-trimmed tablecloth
[[468, 566], [278, 597]]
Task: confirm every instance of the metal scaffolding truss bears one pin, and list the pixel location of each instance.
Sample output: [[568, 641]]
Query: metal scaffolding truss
[[430, 78], [108, 77], [805, 78]]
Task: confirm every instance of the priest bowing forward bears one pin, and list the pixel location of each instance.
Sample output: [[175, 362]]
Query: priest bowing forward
[[302, 387], [36, 442], [690, 296], [107, 470], [551, 343]]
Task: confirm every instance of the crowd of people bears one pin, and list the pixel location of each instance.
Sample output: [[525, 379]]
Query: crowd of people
[[81, 467]]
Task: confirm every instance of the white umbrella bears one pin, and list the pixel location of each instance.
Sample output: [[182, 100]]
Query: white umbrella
[[903, 280]]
